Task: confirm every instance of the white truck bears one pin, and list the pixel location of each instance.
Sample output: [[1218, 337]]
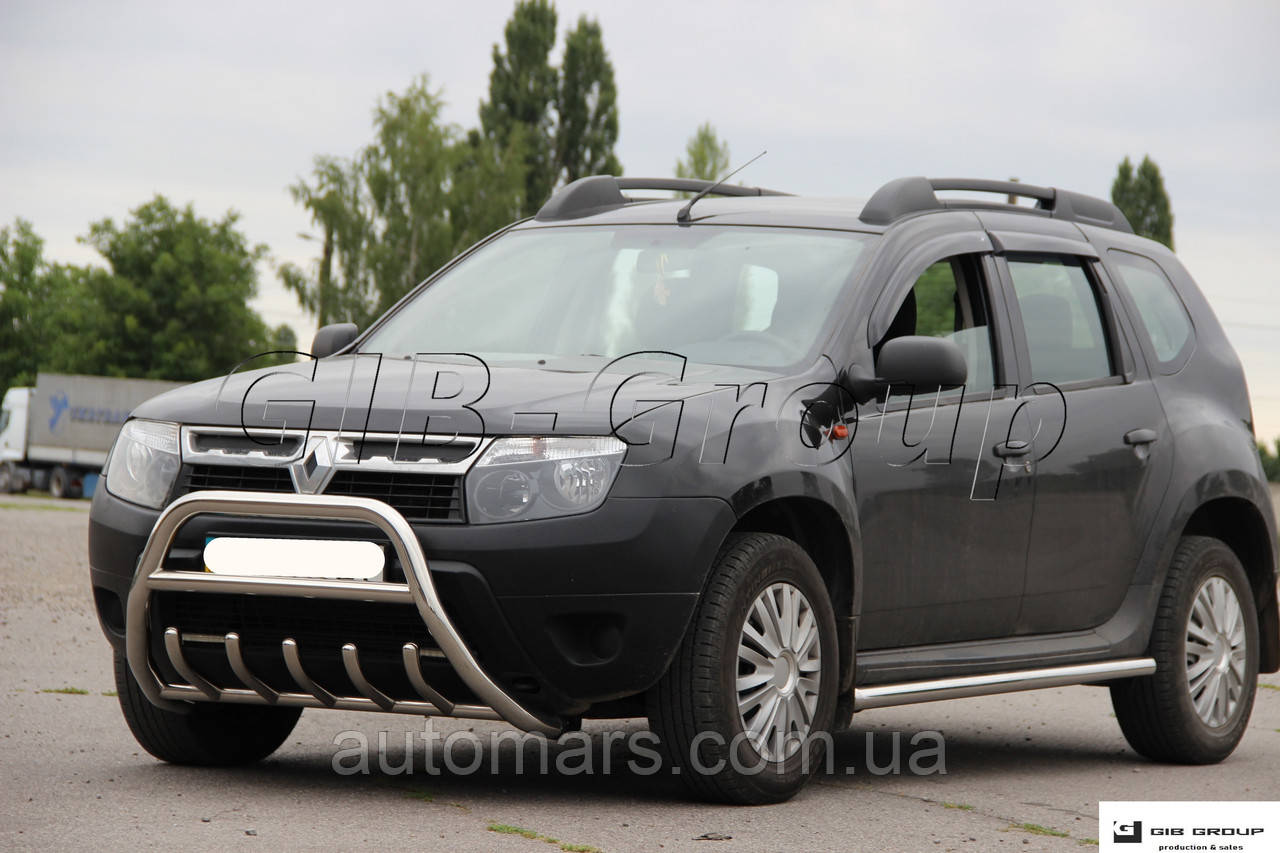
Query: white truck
[[58, 433]]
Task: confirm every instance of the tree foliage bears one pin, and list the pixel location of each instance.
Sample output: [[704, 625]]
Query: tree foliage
[[176, 302], [415, 196], [1141, 196], [522, 95], [587, 105], [1270, 460], [172, 304], [706, 156], [424, 190], [566, 118], [341, 286], [35, 304]]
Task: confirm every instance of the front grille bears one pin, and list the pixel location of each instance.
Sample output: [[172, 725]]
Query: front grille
[[244, 478], [418, 497], [424, 497]]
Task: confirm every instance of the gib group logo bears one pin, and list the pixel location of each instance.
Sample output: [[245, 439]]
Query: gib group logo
[[1185, 826]]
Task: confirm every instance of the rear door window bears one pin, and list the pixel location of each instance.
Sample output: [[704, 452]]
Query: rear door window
[[1061, 318]]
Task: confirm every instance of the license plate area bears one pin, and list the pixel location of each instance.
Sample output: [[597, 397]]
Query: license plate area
[[330, 559]]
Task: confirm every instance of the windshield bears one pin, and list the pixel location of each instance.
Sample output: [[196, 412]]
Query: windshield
[[749, 296]]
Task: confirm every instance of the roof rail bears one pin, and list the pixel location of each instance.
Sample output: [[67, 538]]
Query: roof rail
[[905, 196], [598, 193]]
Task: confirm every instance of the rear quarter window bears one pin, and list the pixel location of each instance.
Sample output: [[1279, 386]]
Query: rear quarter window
[[1162, 317]]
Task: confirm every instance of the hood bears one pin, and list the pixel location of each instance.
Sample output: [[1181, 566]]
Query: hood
[[444, 395]]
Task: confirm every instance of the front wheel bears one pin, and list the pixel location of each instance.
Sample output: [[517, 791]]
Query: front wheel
[[1195, 708], [744, 711], [210, 734]]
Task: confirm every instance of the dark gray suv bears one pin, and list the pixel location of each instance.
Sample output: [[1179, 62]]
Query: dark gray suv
[[743, 465]]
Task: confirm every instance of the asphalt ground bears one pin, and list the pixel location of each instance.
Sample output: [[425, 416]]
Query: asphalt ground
[[1022, 771]]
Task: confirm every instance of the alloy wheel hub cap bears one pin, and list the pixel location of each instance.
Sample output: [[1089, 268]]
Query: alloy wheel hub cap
[[1216, 654], [779, 671]]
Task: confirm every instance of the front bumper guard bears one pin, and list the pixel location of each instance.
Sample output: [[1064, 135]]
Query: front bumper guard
[[151, 576]]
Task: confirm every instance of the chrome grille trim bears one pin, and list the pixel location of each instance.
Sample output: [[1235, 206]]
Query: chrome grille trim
[[151, 576], [220, 445]]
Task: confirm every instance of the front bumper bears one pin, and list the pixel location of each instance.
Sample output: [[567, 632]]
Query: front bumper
[[532, 621]]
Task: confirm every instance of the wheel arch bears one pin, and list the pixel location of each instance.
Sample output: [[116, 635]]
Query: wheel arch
[[1239, 523], [820, 530]]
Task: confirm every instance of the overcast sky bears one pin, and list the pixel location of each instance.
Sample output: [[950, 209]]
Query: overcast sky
[[224, 105]]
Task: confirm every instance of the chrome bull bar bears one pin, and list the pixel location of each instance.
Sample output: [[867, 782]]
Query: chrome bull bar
[[151, 576]]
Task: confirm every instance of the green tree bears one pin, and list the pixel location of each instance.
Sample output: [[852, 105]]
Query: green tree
[[1141, 196], [487, 187], [35, 304], [1270, 460], [587, 105], [407, 171], [175, 302], [341, 286], [522, 93], [706, 156], [410, 200]]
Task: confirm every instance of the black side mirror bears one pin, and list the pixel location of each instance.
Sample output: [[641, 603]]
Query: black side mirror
[[332, 338], [922, 362]]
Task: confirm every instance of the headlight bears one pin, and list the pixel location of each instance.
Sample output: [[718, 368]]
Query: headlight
[[520, 479], [144, 462]]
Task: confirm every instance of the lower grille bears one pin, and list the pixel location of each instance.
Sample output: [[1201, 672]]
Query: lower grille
[[312, 622]]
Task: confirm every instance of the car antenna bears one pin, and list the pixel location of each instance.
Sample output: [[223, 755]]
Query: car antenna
[[683, 215]]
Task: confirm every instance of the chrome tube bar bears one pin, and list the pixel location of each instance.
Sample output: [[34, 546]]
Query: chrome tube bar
[[413, 669], [151, 576], [173, 645], [390, 593], [235, 657], [294, 662], [909, 693], [351, 662], [237, 696]]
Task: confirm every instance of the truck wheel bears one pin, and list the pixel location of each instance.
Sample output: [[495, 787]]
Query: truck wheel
[[59, 482], [210, 735], [8, 479], [744, 712], [1195, 708]]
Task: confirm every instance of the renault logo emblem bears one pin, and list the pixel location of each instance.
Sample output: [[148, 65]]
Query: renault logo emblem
[[313, 472]]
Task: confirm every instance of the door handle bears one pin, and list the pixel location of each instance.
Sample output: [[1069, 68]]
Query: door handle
[[1008, 449], [1140, 436]]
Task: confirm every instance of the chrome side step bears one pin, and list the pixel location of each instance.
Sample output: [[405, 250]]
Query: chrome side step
[[913, 692]]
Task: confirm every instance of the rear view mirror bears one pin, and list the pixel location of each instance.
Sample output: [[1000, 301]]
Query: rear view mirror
[[922, 362], [333, 338]]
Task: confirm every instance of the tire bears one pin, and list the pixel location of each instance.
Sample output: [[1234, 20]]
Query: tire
[[7, 478], [211, 735], [1177, 715], [694, 709], [59, 482]]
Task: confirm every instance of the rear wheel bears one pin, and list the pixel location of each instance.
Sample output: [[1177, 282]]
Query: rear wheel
[[59, 482], [209, 735], [1195, 708], [744, 710]]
